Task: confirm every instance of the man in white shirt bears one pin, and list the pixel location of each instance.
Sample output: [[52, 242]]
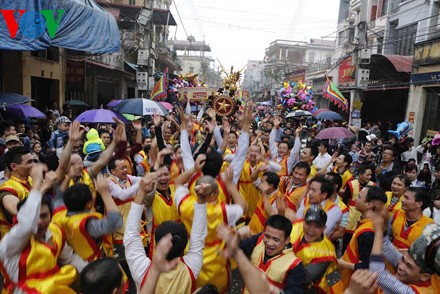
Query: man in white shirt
[[320, 190], [323, 157], [137, 260]]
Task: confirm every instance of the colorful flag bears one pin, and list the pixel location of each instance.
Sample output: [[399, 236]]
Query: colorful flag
[[332, 92], [159, 92]]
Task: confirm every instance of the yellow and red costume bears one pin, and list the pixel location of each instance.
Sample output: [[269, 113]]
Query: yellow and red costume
[[351, 254], [38, 269], [215, 269], [322, 251], [75, 227], [18, 188]]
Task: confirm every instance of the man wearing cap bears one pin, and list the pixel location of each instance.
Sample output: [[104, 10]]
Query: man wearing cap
[[358, 251], [315, 250], [267, 251], [56, 140], [414, 268]]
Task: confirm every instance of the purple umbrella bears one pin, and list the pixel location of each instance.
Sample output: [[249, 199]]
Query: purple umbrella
[[103, 116], [22, 111], [113, 103], [334, 133]]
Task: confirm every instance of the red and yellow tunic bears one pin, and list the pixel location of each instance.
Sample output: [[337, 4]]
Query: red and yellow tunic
[[276, 268], [258, 220], [403, 237], [228, 150], [354, 215], [223, 194], [351, 254], [38, 270], [313, 172], [87, 180], [283, 162], [75, 227], [145, 164], [346, 177], [181, 280], [322, 251], [175, 171], [294, 196], [215, 269], [129, 164], [18, 188], [328, 205], [123, 207], [163, 210], [419, 288], [247, 189], [393, 208]]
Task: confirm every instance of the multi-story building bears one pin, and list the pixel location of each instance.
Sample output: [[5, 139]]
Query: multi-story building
[[192, 58], [392, 28], [289, 60], [128, 73], [253, 79]]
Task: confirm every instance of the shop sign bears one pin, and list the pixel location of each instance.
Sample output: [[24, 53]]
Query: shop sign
[[430, 77], [411, 117]]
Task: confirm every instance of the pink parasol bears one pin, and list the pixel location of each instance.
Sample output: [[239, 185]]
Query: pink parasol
[[167, 105]]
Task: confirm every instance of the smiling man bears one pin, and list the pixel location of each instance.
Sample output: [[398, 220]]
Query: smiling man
[[267, 251], [314, 249]]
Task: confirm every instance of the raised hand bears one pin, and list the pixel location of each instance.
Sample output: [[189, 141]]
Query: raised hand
[[136, 124], [203, 191], [230, 239], [49, 180], [120, 135], [101, 184], [37, 174], [211, 113], [200, 162], [160, 262], [247, 118], [75, 131], [363, 281], [276, 122], [281, 205], [156, 119], [228, 175]]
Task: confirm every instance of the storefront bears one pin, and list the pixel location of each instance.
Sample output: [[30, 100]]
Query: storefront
[[423, 109]]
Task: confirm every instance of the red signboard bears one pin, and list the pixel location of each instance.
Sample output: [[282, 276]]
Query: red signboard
[[347, 72]]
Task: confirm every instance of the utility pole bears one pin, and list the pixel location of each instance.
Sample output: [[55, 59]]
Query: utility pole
[[361, 56]]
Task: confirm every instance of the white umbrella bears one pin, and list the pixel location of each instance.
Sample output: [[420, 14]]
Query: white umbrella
[[140, 106], [299, 113]]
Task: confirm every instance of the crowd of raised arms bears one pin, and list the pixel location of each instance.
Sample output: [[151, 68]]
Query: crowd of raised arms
[[187, 203]]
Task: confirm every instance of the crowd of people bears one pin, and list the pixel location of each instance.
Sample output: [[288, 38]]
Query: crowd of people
[[176, 203]]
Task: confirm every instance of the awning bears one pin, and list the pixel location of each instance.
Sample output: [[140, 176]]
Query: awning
[[163, 17], [106, 66], [400, 63], [84, 26]]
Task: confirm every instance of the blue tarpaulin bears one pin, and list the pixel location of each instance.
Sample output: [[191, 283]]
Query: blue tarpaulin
[[84, 26]]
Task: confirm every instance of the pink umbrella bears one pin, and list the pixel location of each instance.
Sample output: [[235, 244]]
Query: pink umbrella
[[167, 105], [334, 133]]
